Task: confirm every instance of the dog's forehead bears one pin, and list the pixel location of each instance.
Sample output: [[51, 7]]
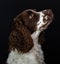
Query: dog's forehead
[[30, 10], [35, 12]]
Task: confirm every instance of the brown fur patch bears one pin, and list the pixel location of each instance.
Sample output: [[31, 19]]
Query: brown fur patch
[[20, 36]]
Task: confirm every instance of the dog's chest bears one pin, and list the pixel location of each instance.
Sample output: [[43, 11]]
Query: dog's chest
[[34, 56], [15, 58]]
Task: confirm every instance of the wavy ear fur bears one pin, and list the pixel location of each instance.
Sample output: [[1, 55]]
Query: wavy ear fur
[[20, 37]]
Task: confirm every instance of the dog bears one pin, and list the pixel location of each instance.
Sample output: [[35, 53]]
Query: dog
[[24, 45]]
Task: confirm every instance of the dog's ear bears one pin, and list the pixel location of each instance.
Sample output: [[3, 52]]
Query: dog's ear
[[41, 38], [20, 37], [17, 21]]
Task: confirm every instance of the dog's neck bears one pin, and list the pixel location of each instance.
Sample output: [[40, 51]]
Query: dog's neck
[[35, 36]]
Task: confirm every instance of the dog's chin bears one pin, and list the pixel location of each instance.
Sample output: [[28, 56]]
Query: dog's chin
[[44, 27]]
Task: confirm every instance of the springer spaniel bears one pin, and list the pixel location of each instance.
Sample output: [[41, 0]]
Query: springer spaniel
[[23, 40]]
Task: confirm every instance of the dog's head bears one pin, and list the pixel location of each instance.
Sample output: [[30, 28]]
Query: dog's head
[[34, 20], [25, 24]]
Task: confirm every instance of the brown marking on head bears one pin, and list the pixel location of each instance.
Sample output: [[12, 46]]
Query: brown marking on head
[[23, 26], [20, 37]]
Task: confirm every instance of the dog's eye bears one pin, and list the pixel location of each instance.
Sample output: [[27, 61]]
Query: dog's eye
[[30, 16], [30, 13]]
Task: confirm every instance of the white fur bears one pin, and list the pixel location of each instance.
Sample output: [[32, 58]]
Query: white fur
[[19, 58], [34, 56], [46, 17], [40, 22]]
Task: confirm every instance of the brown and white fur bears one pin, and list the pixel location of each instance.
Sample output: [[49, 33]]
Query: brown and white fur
[[23, 40]]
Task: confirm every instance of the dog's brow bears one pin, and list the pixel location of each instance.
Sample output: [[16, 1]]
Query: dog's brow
[[42, 14], [41, 17]]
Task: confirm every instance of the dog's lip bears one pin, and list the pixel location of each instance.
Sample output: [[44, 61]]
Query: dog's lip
[[48, 15]]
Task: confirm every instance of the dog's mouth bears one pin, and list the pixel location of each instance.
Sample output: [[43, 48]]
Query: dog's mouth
[[48, 16]]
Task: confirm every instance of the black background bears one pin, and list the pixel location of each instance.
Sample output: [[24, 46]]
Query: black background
[[10, 8]]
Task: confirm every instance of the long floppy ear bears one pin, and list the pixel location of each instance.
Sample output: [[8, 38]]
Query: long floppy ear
[[41, 38], [20, 37]]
